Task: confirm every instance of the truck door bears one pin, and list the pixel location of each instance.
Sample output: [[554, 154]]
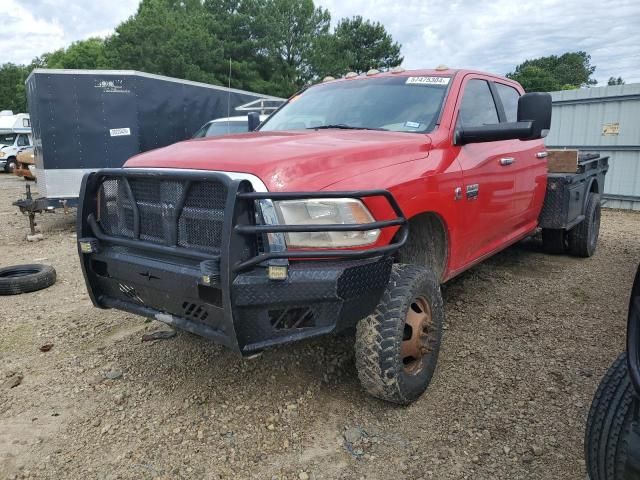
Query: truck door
[[529, 170], [488, 179]]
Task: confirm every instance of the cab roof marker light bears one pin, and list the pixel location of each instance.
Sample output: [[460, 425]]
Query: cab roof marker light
[[441, 68], [397, 70], [328, 78], [351, 75], [373, 71]]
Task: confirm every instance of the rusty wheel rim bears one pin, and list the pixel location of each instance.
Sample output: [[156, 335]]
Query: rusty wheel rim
[[415, 338]]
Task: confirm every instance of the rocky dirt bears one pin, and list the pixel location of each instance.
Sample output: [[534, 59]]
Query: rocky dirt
[[527, 339]]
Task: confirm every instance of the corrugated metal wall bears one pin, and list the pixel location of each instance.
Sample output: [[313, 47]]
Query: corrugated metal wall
[[586, 119]]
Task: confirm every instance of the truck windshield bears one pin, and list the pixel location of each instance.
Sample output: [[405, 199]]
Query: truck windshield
[[7, 138], [399, 104]]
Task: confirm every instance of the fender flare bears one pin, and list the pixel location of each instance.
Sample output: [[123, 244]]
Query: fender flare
[[585, 200]]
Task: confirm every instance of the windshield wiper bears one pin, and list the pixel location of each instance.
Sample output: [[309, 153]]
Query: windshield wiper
[[343, 126]]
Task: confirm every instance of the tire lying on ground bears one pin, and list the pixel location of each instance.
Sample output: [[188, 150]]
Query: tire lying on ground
[[26, 278], [608, 424]]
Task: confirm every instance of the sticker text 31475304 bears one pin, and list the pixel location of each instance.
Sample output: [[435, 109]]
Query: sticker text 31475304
[[428, 80]]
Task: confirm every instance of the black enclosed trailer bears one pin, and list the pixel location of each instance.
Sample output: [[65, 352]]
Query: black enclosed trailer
[[84, 120]]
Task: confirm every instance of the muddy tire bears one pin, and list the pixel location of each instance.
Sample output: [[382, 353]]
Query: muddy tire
[[608, 424], [554, 241], [397, 346], [26, 278], [583, 239]]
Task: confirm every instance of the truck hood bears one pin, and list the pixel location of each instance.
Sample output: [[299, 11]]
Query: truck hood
[[293, 161]]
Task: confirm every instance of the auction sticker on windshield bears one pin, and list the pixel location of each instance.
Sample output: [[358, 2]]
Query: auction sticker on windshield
[[428, 80]]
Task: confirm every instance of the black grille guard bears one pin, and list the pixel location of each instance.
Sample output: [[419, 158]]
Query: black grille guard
[[323, 254], [242, 197]]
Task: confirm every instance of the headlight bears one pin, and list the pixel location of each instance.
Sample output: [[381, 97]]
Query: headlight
[[322, 212], [2, 154]]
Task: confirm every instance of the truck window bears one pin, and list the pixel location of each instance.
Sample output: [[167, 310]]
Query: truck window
[[217, 129], [509, 97], [478, 107], [7, 138], [399, 104], [23, 141]]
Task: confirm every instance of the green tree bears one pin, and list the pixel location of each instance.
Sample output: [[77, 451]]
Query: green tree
[[291, 29], [269, 46], [356, 45], [615, 81], [85, 54], [565, 72], [240, 29], [12, 90], [167, 37]]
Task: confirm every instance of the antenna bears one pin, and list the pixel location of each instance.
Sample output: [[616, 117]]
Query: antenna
[[229, 100]]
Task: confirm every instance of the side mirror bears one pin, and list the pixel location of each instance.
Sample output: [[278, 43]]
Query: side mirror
[[534, 121], [494, 132], [253, 118], [535, 107]]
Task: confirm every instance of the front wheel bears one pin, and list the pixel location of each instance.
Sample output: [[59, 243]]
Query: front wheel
[[397, 346], [10, 166]]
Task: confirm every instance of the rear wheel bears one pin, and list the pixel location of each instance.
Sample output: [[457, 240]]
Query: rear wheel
[[397, 346], [608, 424], [554, 240], [583, 239]]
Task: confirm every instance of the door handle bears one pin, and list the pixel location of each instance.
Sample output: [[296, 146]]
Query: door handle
[[506, 161], [542, 154]]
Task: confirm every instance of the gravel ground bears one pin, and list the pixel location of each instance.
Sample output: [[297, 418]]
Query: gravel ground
[[527, 339]]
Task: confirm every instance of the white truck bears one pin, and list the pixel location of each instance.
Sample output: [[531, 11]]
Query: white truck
[[15, 135], [261, 108]]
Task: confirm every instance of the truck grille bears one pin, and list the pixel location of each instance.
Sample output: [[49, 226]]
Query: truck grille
[[171, 212]]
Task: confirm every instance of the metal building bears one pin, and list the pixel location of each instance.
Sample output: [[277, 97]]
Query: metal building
[[605, 120]]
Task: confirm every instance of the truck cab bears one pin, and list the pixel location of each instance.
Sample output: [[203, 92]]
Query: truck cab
[[15, 135], [347, 207]]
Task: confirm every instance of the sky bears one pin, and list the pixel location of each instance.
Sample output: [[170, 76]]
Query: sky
[[492, 36]]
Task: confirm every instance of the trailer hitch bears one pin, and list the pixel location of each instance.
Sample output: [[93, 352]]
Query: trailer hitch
[[31, 206]]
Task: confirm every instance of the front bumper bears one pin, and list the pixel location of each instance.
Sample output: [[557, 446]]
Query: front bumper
[[229, 297], [315, 299]]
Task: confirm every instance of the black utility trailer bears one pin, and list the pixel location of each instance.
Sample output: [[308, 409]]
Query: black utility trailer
[[85, 120], [570, 217]]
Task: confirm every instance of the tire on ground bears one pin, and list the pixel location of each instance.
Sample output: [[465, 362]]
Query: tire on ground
[[608, 423], [26, 278], [554, 240], [583, 239], [379, 337]]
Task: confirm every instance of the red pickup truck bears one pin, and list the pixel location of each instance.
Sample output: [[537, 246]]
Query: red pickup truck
[[349, 206]]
